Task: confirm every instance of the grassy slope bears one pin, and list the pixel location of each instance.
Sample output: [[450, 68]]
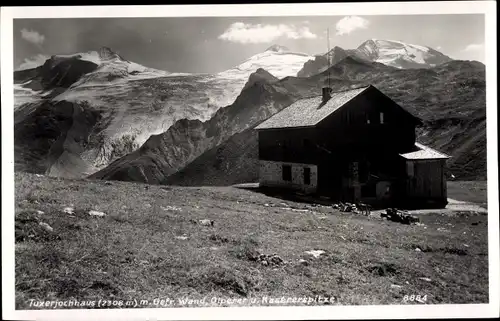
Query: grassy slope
[[469, 191], [133, 253]]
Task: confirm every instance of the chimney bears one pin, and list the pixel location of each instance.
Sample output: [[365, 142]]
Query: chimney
[[327, 93]]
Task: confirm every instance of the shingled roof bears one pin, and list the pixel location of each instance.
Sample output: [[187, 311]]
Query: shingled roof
[[424, 152], [310, 111]]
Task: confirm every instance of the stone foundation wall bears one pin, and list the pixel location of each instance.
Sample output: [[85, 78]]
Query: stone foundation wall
[[271, 174]]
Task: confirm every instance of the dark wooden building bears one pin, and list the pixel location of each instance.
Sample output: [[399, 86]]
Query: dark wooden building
[[354, 145]]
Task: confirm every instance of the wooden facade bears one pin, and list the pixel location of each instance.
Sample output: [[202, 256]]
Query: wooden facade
[[359, 152]]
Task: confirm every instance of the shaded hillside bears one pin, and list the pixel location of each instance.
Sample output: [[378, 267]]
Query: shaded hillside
[[449, 98], [464, 139], [234, 161], [166, 153], [50, 138]]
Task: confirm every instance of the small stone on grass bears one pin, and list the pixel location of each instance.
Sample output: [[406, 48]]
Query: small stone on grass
[[96, 213], [46, 226], [206, 222], [69, 210]]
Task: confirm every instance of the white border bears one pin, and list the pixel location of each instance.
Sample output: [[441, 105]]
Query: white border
[[255, 313]]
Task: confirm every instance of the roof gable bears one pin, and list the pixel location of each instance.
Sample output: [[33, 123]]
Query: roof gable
[[310, 111]]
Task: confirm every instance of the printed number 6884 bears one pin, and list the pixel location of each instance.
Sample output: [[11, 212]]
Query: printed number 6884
[[413, 298]]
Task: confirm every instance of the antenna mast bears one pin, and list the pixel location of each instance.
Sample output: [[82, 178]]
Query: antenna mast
[[328, 53]]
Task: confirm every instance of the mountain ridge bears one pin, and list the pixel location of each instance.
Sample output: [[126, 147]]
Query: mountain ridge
[[389, 52]]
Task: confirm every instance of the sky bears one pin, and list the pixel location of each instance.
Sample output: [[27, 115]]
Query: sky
[[213, 44]]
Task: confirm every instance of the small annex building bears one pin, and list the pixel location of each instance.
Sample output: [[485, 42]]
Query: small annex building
[[356, 145]]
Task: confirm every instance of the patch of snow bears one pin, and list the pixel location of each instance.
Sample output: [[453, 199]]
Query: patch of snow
[[171, 208], [315, 253], [25, 90], [453, 201], [92, 56]]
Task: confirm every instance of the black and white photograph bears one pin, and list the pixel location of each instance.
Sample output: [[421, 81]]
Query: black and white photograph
[[250, 161]]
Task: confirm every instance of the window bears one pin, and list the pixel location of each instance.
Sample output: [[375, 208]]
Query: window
[[287, 173], [307, 175], [354, 169], [410, 169], [363, 171], [381, 118]]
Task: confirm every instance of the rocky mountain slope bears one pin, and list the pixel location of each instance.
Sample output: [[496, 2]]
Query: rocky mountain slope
[[450, 99], [388, 52], [132, 102]]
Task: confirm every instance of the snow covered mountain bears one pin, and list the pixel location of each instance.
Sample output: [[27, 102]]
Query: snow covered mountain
[[278, 60], [388, 52], [401, 55], [132, 101]]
